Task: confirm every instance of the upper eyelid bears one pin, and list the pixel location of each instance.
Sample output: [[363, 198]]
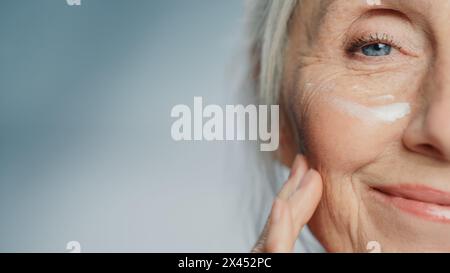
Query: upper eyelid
[[391, 40], [407, 45], [374, 12], [362, 41], [371, 38]]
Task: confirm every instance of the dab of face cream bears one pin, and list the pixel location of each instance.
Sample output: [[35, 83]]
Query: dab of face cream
[[385, 98], [386, 113]]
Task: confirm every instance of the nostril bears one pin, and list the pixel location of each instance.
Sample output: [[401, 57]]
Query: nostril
[[429, 150]]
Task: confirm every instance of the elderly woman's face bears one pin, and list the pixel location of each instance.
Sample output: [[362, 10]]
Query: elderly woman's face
[[368, 87]]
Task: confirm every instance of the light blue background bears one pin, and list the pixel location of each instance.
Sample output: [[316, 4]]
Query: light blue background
[[85, 146]]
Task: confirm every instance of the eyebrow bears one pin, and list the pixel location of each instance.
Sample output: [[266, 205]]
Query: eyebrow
[[409, 8], [413, 6], [327, 7]]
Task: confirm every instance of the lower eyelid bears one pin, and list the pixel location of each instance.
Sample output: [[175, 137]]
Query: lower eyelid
[[376, 59]]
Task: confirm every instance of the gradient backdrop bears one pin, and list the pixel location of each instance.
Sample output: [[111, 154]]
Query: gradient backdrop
[[85, 147]]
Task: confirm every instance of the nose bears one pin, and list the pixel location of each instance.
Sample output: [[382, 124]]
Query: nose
[[429, 130]]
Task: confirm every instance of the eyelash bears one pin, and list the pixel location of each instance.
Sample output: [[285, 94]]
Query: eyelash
[[357, 43]]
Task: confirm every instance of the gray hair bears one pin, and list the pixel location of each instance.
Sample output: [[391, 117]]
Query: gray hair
[[268, 34], [268, 27]]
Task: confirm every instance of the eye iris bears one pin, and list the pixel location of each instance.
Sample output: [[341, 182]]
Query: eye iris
[[376, 50]]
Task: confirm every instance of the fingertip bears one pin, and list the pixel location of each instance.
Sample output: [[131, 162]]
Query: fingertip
[[299, 165], [312, 177]]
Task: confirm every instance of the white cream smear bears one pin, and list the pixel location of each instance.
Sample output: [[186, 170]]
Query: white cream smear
[[385, 98], [385, 113]]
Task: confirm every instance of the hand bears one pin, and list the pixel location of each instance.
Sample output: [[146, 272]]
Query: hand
[[291, 210]]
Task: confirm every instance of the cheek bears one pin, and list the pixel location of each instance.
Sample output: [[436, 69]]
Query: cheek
[[338, 142]]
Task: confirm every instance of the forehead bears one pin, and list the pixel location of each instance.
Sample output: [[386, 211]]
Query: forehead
[[313, 14], [424, 7]]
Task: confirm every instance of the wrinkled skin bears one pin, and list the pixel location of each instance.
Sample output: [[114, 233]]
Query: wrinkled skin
[[326, 59]]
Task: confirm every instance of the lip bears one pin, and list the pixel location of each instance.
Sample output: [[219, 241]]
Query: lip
[[421, 201]]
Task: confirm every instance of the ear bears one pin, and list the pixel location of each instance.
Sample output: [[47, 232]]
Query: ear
[[288, 148]]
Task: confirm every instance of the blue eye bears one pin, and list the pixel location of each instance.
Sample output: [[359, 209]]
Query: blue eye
[[374, 50]]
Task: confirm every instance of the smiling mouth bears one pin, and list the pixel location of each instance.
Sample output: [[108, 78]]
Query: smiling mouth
[[420, 201]]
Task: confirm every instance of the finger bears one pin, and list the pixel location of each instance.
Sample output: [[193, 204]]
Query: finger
[[305, 200], [298, 170], [272, 221], [280, 232]]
